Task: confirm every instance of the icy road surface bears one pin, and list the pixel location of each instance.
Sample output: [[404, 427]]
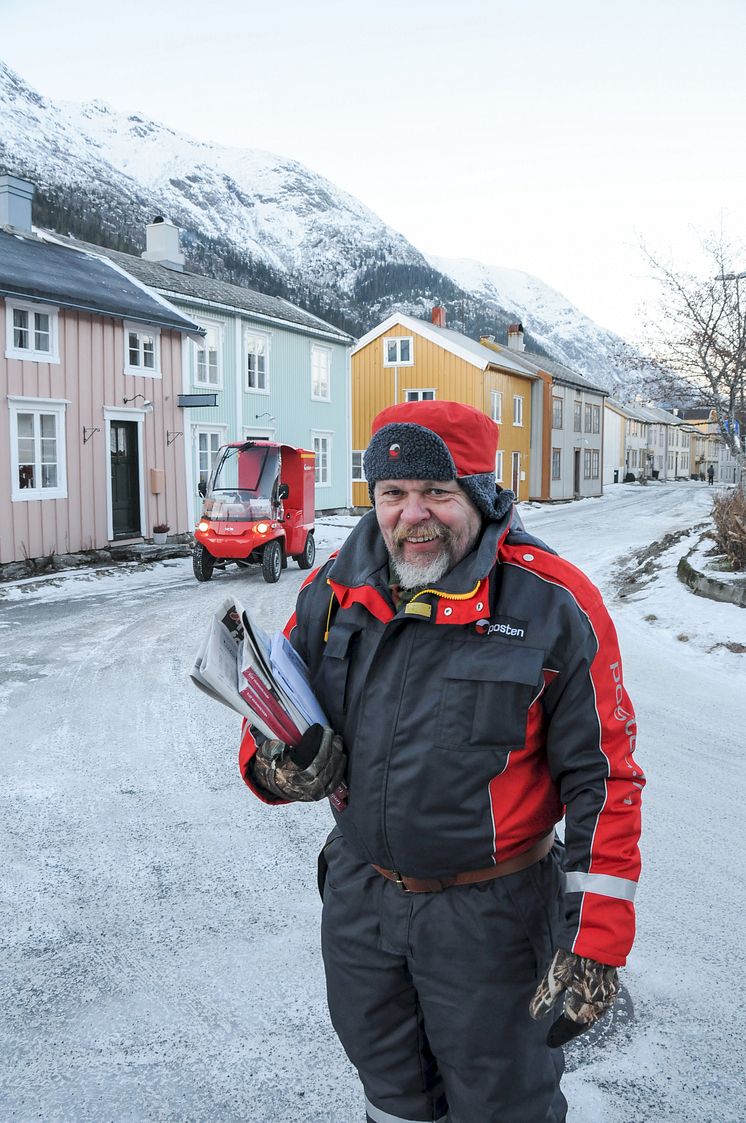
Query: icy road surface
[[160, 926]]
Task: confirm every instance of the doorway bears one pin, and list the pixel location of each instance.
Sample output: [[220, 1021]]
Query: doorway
[[124, 457], [516, 474], [576, 474]]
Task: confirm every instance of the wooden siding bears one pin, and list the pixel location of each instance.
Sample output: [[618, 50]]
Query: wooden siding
[[90, 377], [296, 414], [375, 386]]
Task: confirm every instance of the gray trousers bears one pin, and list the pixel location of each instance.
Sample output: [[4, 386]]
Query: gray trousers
[[429, 993]]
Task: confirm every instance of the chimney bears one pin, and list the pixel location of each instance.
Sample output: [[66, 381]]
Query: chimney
[[439, 316], [162, 244], [15, 202], [515, 337]]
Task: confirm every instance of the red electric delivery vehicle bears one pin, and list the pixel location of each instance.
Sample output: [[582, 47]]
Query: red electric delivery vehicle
[[258, 509]]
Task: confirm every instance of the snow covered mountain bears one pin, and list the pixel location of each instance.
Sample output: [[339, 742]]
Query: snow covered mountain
[[257, 218], [561, 329]]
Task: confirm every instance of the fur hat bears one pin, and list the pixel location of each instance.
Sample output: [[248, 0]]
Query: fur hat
[[437, 440]]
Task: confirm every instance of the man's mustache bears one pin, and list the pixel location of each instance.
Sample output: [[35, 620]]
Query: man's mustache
[[425, 530]]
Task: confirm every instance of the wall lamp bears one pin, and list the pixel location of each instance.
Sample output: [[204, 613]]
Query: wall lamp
[[265, 414], [145, 401]]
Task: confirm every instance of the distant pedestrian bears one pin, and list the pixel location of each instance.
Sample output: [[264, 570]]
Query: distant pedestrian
[[710, 474]]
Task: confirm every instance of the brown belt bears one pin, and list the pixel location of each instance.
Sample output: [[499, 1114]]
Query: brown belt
[[520, 861]]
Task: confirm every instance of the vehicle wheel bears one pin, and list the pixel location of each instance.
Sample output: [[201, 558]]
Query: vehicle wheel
[[307, 558], [272, 562], [203, 562]]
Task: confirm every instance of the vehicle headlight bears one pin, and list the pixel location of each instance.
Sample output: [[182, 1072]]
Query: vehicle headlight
[[203, 526], [262, 528]]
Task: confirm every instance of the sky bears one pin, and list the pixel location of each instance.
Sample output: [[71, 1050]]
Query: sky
[[550, 137]]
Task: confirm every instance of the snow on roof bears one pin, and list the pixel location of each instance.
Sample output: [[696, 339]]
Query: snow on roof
[[559, 372], [454, 341], [194, 286], [38, 269]]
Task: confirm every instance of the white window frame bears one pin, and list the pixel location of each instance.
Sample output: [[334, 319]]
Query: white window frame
[[257, 433], [595, 464], [398, 362], [37, 406], [577, 415], [558, 401], [518, 410], [360, 476], [152, 333], [416, 395], [596, 419], [31, 353], [322, 435], [499, 465], [557, 455], [496, 406], [317, 350], [217, 327], [251, 333], [210, 430]]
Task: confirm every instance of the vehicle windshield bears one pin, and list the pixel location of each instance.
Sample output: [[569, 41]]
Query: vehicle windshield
[[243, 484]]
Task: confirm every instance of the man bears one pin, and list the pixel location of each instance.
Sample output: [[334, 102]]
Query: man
[[474, 683], [710, 473]]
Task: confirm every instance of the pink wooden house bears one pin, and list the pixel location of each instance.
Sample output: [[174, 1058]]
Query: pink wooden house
[[90, 415]]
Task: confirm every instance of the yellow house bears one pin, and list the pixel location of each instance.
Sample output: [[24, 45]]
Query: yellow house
[[405, 359]]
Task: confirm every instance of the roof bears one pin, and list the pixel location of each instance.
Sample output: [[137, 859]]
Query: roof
[[454, 341], [566, 376], [35, 269], [195, 287]]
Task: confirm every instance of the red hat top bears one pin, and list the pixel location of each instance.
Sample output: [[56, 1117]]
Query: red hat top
[[470, 435]]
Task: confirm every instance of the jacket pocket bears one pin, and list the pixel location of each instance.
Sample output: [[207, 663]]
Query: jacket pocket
[[332, 679], [487, 690]]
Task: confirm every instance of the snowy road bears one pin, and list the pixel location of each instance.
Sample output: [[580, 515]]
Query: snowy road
[[159, 937]]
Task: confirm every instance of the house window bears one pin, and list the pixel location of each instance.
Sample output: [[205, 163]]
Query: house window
[[497, 406], [499, 466], [358, 474], [320, 366], [588, 418], [208, 357], [37, 442], [556, 463], [596, 419], [517, 409], [595, 463], [587, 464], [142, 350], [577, 416], [419, 395], [257, 362], [208, 443], [31, 332], [322, 447], [557, 413], [398, 351]]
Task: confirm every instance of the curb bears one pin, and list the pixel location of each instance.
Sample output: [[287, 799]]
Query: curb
[[710, 587]]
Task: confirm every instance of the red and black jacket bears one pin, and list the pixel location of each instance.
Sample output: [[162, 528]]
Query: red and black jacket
[[476, 715]]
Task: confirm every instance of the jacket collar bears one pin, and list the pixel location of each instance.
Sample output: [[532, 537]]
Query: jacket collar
[[363, 559]]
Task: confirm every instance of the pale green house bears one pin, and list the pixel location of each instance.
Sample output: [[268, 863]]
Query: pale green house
[[271, 369]]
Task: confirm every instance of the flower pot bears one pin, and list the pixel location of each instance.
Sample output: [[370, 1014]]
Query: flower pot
[[160, 537]]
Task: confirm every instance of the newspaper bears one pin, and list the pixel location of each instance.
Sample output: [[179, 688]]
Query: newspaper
[[259, 676]]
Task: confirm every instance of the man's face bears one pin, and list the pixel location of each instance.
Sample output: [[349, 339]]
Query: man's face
[[428, 527]]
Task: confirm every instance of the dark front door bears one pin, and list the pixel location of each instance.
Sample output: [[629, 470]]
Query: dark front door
[[125, 480], [576, 474]]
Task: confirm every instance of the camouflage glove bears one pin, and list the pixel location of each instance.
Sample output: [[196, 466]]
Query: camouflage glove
[[591, 989], [305, 772]]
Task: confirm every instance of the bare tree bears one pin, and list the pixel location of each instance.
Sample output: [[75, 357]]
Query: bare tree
[[698, 340]]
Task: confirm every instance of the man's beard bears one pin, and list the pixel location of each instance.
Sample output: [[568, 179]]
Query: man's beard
[[416, 575]]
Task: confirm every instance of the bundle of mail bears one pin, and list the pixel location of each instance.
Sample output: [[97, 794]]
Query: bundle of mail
[[259, 676]]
